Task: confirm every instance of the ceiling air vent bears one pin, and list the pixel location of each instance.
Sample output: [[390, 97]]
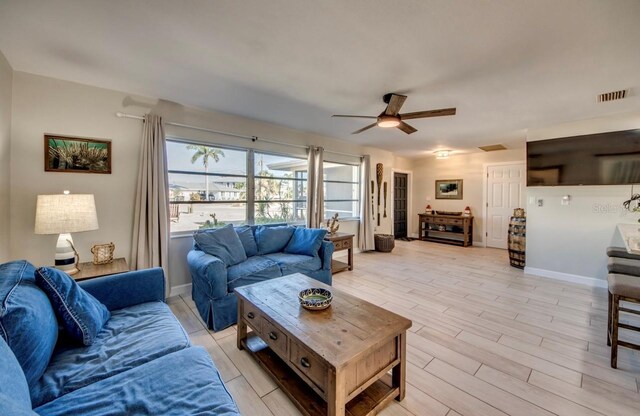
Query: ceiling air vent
[[492, 147], [612, 96]]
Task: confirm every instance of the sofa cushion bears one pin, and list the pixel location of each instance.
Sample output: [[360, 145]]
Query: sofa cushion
[[27, 321], [624, 266], [272, 239], [13, 384], [181, 383], [81, 315], [254, 269], [305, 241], [295, 263], [223, 243], [248, 240], [133, 336]]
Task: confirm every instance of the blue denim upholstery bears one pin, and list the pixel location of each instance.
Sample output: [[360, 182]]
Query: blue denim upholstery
[[305, 241], [133, 336], [223, 243], [81, 315], [27, 321], [213, 282], [129, 369], [295, 263], [272, 239], [13, 384], [259, 266], [153, 388], [248, 240]]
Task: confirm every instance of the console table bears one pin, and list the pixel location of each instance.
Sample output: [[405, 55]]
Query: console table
[[448, 229]]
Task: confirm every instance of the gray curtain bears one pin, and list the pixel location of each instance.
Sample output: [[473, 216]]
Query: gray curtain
[[149, 247], [366, 240], [315, 188]]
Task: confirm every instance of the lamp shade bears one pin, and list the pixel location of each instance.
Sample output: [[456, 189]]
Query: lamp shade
[[59, 214]]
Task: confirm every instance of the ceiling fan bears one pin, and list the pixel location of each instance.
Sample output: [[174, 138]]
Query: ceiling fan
[[391, 116]]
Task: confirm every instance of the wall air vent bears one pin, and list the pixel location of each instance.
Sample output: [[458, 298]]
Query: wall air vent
[[612, 96], [492, 147]]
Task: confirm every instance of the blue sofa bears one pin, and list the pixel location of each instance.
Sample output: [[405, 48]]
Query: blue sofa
[[265, 247], [141, 362]]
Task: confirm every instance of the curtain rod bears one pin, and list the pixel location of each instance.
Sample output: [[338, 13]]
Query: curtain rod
[[252, 138]]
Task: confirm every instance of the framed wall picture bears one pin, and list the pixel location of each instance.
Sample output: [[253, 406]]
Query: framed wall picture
[[449, 189], [76, 154]]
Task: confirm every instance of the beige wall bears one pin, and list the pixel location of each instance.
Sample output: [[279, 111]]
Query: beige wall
[[45, 105], [469, 168], [6, 80], [569, 241]]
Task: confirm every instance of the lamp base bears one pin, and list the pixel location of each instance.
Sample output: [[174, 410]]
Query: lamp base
[[66, 255]]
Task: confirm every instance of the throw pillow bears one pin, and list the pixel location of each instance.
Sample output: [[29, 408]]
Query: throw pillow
[[272, 239], [248, 240], [306, 241], [82, 316], [223, 243], [27, 321]]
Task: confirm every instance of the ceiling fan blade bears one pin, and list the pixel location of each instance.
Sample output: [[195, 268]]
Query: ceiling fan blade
[[344, 115], [406, 128], [429, 113], [365, 128], [395, 104]]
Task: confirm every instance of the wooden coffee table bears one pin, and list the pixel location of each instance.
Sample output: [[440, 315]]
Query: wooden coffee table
[[331, 362]]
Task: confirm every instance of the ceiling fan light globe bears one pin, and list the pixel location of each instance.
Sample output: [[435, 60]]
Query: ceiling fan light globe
[[388, 121]]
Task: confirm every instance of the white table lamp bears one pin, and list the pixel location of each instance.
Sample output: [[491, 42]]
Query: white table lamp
[[64, 214]]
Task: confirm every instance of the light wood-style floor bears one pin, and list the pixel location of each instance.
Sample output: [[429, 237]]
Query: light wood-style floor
[[486, 339]]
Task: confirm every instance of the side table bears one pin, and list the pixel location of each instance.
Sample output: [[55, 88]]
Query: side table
[[88, 270], [341, 241]]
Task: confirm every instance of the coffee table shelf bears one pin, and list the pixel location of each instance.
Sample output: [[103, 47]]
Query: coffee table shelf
[[304, 397]]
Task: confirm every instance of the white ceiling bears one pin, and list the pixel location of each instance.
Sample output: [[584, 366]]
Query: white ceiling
[[507, 65]]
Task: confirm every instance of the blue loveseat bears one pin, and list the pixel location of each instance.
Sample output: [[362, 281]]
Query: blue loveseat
[[268, 252], [141, 362]]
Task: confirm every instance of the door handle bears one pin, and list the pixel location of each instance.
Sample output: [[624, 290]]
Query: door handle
[[250, 315], [304, 361], [273, 335]]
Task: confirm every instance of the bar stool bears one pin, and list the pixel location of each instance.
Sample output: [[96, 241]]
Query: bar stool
[[624, 285]]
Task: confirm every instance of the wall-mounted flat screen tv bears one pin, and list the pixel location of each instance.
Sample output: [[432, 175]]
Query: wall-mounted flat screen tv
[[611, 158]]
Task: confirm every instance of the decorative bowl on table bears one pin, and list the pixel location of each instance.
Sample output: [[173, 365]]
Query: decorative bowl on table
[[315, 299]]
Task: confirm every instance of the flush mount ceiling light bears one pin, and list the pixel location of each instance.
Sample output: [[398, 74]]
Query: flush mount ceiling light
[[442, 154], [388, 121]]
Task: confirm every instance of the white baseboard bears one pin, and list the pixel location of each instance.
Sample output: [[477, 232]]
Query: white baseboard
[[566, 277], [180, 290]]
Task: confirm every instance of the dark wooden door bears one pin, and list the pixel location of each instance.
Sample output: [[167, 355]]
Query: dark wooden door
[[400, 203]]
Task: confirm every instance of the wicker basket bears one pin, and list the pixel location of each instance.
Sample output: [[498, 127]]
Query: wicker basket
[[384, 242], [103, 253]]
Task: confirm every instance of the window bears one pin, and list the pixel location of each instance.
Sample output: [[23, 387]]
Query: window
[[211, 186], [280, 189], [341, 190], [207, 186]]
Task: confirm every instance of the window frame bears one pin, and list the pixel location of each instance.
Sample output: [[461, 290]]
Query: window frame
[[357, 183]]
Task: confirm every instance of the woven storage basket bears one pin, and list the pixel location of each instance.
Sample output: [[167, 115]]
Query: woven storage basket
[[384, 242]]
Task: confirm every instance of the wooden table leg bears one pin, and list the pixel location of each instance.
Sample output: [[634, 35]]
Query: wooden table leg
[[242, 326], [336, 395], [399, 372], [350, 251]]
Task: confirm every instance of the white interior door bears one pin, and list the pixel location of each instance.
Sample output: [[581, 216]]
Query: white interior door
[[505, 191]]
